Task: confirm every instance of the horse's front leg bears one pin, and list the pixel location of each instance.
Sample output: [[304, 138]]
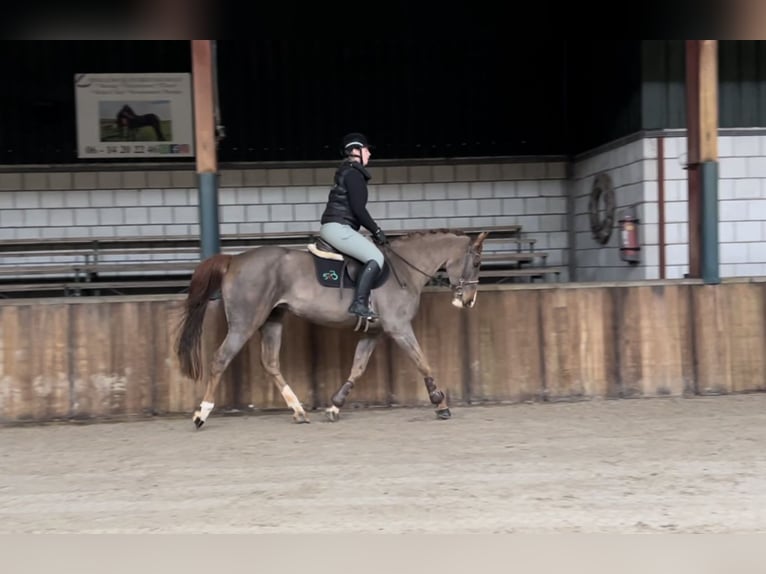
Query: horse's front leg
[[405, 338], [364, 349]]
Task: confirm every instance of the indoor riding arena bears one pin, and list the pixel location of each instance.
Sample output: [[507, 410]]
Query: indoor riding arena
[[608, 377], [604, 408]]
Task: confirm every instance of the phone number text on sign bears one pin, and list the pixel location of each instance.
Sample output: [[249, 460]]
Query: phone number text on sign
[[149, 149]]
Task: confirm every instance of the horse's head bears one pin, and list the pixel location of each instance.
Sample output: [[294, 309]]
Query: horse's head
[[463, 273]]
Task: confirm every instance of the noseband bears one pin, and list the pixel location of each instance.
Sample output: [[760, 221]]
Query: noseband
[[457, 290]]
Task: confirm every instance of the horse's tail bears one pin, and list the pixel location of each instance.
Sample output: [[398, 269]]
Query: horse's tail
[[205, 281]]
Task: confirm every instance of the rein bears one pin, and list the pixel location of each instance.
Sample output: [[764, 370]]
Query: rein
[[393, 269], [440, 282]]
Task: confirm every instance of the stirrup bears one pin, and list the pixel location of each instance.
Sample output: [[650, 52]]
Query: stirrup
[[368, 314], [363, 324], [363, 312]]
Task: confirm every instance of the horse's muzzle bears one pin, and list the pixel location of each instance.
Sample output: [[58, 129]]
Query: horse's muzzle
[[459, 298]]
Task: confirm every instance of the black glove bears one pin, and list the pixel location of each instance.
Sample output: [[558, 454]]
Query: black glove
[[380, 237]]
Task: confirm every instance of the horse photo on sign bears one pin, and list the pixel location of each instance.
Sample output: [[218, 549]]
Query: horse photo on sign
[[135, 121]]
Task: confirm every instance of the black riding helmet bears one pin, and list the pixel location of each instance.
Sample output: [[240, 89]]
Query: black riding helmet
[[352, 141]]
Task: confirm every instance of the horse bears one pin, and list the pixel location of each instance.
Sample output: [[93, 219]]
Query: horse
[[129, 122], [259, 285]]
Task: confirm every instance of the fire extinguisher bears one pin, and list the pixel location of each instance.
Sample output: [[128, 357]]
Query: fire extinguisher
[[630, 247]]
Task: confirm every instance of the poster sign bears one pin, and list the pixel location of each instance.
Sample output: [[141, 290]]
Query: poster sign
[[134, 115]]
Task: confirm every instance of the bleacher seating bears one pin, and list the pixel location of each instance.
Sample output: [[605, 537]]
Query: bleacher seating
[[125, 265]]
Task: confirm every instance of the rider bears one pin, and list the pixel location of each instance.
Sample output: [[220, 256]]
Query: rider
[[346, 212]]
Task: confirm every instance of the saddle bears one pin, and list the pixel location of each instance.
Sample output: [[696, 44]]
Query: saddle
[[336, 269]]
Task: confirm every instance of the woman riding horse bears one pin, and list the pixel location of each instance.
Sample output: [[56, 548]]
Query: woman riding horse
[[259, 286], [346, 212]]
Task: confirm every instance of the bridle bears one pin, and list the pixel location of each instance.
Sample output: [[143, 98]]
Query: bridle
[[457, 290], [470, 257]]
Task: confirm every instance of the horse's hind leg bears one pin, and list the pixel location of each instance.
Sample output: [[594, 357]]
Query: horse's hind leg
[[271, 341], [241, 327], [231, 345], [405, 338], [364, 349]]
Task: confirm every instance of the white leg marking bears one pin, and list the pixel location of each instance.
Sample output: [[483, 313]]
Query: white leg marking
[[332, 412], [291, 400], [205, 409]]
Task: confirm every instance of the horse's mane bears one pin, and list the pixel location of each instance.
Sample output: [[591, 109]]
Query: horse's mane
[[417, 234]]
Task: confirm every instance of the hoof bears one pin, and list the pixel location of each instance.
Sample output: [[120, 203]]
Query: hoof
[[301, 418], [332, 414], [436, 397], [443, 414], [198, 422]]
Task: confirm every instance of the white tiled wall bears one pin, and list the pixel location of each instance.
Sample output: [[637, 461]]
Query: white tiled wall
[[634, 182], [108, 204], [532, 194], [741, 205], [633, 168]]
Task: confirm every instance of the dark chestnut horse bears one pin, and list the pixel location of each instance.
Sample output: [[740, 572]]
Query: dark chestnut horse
[[129, 122], [259, 285]]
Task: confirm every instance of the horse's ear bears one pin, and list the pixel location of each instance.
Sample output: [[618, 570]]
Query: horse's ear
[[479, 241]]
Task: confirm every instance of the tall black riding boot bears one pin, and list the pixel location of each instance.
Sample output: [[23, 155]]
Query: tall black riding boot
[[363, 287]]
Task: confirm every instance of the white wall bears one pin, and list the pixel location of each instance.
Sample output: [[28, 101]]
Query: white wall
[[59, 205], [530, 193], [633, 166], [632, 179], [741, 206]]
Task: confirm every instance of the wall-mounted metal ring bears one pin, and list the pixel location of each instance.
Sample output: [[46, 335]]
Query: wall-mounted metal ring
[[601, 218]]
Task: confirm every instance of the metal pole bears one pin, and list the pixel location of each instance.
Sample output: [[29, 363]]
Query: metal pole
[[708, 85], [210, 238], [692, 161], [205, 138], [710, 255], [702, 133]]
